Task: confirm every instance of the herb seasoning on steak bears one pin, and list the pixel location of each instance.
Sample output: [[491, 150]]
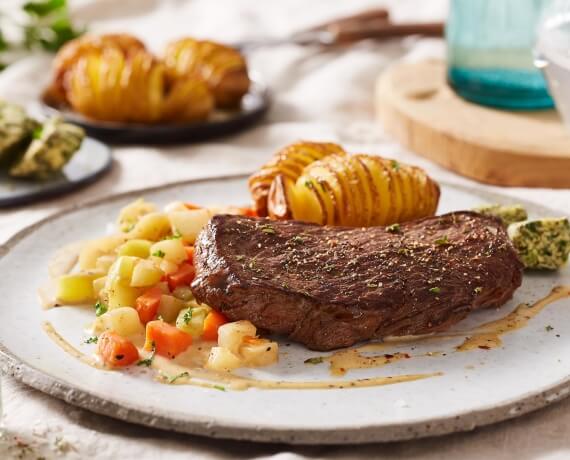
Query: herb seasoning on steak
[[330, 287]]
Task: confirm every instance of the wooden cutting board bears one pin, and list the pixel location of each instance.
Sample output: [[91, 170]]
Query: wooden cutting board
[[417, 107]]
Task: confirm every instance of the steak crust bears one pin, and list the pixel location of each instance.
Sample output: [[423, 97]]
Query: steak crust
[[331, 287]]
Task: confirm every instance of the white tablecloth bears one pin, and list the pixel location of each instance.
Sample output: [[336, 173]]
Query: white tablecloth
[[317, 95]]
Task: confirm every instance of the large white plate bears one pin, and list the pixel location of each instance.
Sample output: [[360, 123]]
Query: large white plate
[[531, 370]]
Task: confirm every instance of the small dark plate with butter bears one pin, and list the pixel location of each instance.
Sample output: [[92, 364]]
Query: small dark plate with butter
[[88, 164]]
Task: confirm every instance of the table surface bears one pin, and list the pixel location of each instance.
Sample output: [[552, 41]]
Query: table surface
[[318, 95]]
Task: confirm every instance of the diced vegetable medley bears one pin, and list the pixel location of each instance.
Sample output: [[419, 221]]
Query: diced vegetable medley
[[138, 280]]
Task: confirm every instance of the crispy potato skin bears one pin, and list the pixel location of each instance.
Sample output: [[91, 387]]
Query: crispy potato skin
[[321, 183], [223, 68], [288, 163]]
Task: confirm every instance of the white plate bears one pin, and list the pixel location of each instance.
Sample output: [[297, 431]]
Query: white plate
[[479, 387]]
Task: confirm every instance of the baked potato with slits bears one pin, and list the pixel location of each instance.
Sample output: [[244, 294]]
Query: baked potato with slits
[[321, 183], [288, 164], [112, 85], [72, 51], [223, 68]]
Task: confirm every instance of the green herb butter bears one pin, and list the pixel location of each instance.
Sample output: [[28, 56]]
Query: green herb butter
[[542, 243], [508, 214]]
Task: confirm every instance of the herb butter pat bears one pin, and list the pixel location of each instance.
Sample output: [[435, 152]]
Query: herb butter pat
[[508, 214], [542, 243]]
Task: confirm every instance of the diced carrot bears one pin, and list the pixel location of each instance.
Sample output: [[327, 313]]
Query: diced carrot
[[192, 206], [211, 325], [148, 303], [166, 340], [250, 212], [190, 253], [182, 277], [115, 350]]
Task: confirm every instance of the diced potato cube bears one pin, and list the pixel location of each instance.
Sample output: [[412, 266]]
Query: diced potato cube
[[145, 273], [123, 268], [231, 335], [171, 250], [132, 213], [191, 320], [99, 285], [121, 295], [189, 223], [135, 248], [259, 352], [94, 249], [170, 307], [153, 227], [124, 321], [222, 359], [104, 262], [167, 267], [183, 293], [175, 206], [76, 288]]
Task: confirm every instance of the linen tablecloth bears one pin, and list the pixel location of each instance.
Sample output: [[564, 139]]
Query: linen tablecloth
[[317, 95]]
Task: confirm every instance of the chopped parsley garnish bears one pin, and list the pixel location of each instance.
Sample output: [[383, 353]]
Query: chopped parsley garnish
[[395, 165], [148, 361], [315, 360], [158, 253], [435, 290], [549, 328], [175, 236], [297, 239], [219, 387], [92, 339], [394, 228], [478, 290], [37, 132], [187, 316], [100, 308], [179, 376], [268, 229], [442, 241]]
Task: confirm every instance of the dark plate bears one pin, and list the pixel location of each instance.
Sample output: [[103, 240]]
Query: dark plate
[[221, 123], [91, 161]]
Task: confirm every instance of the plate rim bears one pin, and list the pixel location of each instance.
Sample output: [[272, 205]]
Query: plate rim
[[195, 425]]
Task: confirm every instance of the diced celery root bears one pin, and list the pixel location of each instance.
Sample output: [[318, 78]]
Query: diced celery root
[[170, 250], [231, 335], [193, 323], [124, 321], [136, 248], [153, 227], [169, 308], [145, 273], [259, 353], [189, 223], [76, 288], [222, 359]]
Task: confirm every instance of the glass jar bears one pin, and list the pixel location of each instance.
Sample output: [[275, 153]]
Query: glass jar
[[490, 58]]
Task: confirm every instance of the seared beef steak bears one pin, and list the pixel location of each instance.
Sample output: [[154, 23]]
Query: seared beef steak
[[330, 287]]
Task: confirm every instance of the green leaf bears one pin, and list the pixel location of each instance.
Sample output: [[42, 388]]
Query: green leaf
[[100, 308], [43, 8], [314, 360]]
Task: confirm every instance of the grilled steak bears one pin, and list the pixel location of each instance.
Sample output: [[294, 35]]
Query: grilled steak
[[330, 287]]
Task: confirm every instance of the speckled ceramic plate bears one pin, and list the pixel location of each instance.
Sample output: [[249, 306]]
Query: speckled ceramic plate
[[87, 165], [530, 370]]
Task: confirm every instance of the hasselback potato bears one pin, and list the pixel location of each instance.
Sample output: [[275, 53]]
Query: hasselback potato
[[341, 189], [112, 85], [73, 50], [223, 68], [288, 164]]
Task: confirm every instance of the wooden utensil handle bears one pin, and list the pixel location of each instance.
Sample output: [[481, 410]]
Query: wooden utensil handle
[[354, 20], [383, 29]]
